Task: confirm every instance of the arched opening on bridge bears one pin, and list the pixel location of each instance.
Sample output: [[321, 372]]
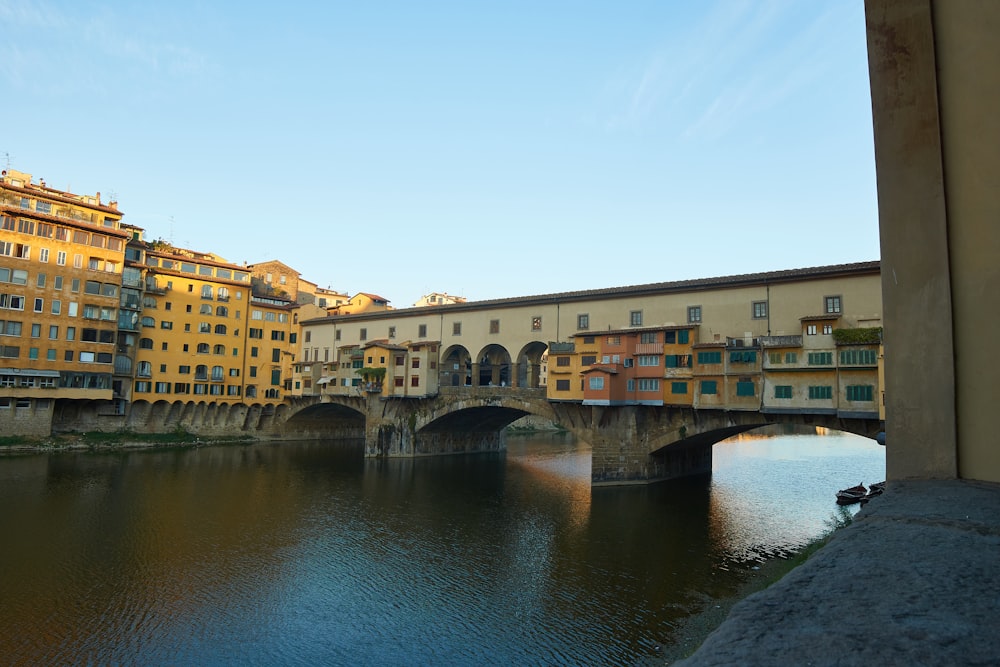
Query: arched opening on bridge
[[330, 419], [493, 367], [456, 367], [529, 365]]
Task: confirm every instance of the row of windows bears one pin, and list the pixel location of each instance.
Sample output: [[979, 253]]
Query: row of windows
[[47, 230], [23, 251], [94, 287], [145, 387], [198, 269], [84, 357], [825, 392], [271, 316]]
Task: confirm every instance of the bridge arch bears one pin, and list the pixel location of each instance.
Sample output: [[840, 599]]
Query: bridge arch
[[494, 366], [529, 364], [456, 367]]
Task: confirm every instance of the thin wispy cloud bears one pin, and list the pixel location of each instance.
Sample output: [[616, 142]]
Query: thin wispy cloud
[[701, 82]]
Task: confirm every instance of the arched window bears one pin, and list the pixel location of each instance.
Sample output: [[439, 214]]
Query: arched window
[[201, 372], [206, 309], [220, 329], [251, 391], [219, 349], [222, 311], [206, 291], [217, 374], [223, 294], [146, 343], [203, 348], [148, 322]]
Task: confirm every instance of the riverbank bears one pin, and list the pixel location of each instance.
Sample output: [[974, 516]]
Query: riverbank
[[913, 580], [100, 441]]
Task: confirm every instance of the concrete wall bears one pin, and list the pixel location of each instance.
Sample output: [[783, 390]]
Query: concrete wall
[[935, 80]]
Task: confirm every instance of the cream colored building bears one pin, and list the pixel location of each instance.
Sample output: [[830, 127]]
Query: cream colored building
[[502, 342]]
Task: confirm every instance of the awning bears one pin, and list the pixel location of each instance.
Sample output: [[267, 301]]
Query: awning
[[324, 380]]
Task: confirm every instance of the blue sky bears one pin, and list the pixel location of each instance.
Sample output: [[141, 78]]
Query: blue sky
[[477, 148]]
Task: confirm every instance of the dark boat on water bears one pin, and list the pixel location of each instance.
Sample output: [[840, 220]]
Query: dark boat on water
[[854, 494]]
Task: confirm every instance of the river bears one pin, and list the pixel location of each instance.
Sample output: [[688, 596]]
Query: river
[[307, 554]]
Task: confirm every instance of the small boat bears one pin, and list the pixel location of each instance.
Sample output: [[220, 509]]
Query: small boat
[[854, 494]]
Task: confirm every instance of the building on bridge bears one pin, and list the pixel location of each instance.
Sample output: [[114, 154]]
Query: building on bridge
[[712, 342]]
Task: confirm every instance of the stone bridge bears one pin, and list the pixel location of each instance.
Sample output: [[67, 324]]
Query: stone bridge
[[631, 444]]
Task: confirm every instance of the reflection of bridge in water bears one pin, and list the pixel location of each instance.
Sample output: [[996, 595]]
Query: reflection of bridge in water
[[631, 444]]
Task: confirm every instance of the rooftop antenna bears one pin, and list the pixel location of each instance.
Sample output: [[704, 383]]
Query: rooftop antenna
[[7, 156], [171, 230]]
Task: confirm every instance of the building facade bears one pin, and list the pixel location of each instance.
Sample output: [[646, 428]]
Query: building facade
[[61, 261]]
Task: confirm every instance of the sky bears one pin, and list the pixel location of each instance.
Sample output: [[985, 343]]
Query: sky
[[482, 149]]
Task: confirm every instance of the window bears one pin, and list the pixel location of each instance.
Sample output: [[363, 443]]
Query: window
[[206, 309], [783, 391], [590, 360], [39, 305], [562, 385], [277, 335], [363, 334], [821, 392], [820, 358], [398, 382], [206, 292], [494, 326], [583, 321], [221, 311], [682, 336], [649, 360], [562, 361], [536, 323], [635, 318], [774, 357], [416, 363], [743, 356], [713, 357], [744, 388], [220, 329], [256, 333], [61, 258], [415, 381], [649, 384], [859, 392], [219, 349], [649, 337], [614, 340], [831, 305], [759, 310], [53, 332], [203, 348], [858, 357], [456, 328], [791, 357], [810, 329], [628, 362], [694, 314], [276, 377], [43, 255], [276, 355], [678, 387], [392, 332], [254, 351], [596, 382], [421, 331], [709, 387], [827, 329]]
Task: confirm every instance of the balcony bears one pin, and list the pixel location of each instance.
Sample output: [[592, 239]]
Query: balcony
[[649, 348], [130, 303], [781, 341], [123, 365], [154, 287]]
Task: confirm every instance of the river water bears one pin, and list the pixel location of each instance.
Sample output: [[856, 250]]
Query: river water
[[307, 554]]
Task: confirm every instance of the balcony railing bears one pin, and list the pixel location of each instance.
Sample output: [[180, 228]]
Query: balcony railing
[[155, 288], [781, 341], [649, 348]]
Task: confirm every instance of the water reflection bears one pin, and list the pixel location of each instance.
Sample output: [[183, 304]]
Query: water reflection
[[307, 553]]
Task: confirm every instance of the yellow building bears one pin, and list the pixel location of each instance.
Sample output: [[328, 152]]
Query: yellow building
[[61, 259], [361, 302], [193, 328]]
